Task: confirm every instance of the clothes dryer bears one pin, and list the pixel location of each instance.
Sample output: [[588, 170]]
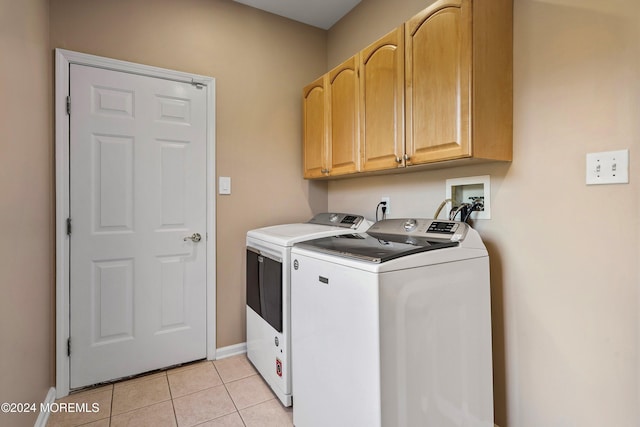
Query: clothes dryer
[[268, 290]]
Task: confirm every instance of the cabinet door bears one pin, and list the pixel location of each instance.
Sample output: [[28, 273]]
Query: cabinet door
[[344, 133], [438, 82], [315, 127], [382, 103]]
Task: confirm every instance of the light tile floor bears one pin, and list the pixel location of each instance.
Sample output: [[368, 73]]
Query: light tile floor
[[223, 393]]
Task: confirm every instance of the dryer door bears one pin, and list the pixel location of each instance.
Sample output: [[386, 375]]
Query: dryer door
[[264, 287]]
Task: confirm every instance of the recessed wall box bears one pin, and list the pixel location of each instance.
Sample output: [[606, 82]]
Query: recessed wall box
[[468, 189]]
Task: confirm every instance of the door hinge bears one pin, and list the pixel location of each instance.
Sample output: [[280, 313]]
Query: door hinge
[[68, 226], [69, 346], [68, 105], [197, 84]]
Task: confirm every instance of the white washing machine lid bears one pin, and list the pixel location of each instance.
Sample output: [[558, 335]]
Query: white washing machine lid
[[289, 234], [397, 244], [375, 248]]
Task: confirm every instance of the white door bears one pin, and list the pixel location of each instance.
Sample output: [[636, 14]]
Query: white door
[[137, 189]]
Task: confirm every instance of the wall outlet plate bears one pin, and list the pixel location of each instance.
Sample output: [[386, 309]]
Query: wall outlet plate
[[388, 200], [608, 167]]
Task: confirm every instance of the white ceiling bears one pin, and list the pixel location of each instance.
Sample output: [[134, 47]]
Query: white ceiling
[[319, 13]]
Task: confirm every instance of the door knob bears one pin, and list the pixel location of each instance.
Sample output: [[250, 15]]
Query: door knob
[[195, 237]]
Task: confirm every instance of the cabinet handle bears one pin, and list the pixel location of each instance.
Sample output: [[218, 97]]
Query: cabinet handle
[[398, 159], [407, 157], [324, 170]]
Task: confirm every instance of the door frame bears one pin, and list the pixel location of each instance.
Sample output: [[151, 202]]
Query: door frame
[[63, 59]]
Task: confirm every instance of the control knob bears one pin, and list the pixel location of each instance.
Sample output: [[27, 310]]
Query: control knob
[[410, 225]]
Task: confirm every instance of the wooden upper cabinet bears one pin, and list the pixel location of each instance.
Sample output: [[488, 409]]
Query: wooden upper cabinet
[[315, 127], [437, 89], [382, 103], [438, 82], [331, 123], [344, 131], [459, 91]]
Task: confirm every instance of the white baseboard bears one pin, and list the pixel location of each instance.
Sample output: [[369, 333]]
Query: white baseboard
[[231, 350], [44, 416]]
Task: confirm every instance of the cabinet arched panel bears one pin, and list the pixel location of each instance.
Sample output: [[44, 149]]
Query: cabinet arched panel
[[315, 129], [439, 84], [382, 103], [344, 134]]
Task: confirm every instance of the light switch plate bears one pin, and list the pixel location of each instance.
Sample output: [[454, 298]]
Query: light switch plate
[[224, 185], [608, 167]]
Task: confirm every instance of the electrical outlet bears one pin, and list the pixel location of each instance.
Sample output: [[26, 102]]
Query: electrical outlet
[[608, 167], [388, 200]]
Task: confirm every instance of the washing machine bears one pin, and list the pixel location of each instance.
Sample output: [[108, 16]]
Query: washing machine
[[393, 327], [268, 292]]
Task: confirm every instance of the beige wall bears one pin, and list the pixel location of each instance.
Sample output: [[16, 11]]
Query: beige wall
[[564, 256], [260, 62], [26, 206], [565, 303]]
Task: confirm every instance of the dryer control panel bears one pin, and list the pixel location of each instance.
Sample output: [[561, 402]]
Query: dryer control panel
[[337, 219]]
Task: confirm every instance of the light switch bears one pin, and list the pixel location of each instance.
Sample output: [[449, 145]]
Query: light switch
[[608, 167], [224, 185]]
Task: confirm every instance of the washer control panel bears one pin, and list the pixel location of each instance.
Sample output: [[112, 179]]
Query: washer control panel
[[443, 227], [453, 231]]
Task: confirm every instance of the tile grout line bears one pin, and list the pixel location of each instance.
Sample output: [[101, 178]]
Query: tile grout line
[[172, 398], [197, 391], [229, 394], [173, 406], [113, 388], [234, 404], [141, 407], [208, 388]]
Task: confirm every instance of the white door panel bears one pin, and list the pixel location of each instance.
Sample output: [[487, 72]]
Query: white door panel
[[137, 188]]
